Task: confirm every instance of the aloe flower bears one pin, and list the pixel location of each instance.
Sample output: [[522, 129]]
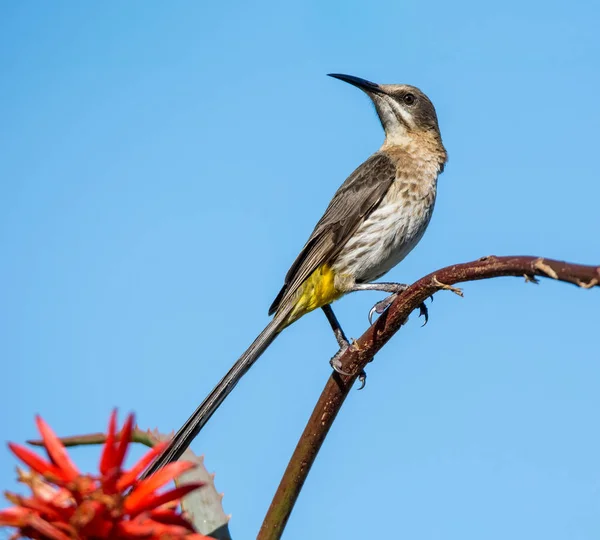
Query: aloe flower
[[65, 504]]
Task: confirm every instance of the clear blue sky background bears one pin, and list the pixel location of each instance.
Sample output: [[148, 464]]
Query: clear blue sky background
[[162, 164]]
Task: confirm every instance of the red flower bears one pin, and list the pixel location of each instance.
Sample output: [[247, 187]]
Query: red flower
[[66, 505]]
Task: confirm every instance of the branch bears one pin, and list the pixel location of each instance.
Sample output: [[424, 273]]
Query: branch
[[137, 436], [362, 351]]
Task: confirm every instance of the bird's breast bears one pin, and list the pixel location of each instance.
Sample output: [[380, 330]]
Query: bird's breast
[[390, 231]]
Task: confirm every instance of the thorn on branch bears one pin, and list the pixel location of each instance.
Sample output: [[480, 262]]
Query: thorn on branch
[[354, 344], [540, 265], [445, 287], [531, 279]]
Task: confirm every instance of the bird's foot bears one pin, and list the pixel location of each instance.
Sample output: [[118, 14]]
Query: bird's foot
[[336, 363], [424, 312], [382, 305], [362, 377]]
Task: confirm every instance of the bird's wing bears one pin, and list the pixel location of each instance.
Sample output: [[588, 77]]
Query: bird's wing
[[356, 198]]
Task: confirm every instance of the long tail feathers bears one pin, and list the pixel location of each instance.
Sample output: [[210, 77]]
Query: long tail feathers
[[211, 403]]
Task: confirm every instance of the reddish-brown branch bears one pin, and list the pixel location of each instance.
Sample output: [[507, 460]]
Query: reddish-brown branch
[[363, 351]]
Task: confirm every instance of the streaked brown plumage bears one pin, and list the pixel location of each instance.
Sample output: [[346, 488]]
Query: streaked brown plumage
[[373, 221]]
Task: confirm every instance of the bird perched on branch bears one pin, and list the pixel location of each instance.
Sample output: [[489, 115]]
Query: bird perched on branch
[[374, 220]]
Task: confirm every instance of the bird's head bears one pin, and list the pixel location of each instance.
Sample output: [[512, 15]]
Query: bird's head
[[404, 111]]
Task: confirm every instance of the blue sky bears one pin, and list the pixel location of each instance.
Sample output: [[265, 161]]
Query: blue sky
[[161, 166]]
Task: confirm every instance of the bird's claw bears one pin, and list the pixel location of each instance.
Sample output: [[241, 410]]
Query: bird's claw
[[362, 377], [336, 364], [381, 306], [424, 312], [337, 367]]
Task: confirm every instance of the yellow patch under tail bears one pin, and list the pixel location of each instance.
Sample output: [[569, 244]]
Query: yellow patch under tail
[[317, 291]]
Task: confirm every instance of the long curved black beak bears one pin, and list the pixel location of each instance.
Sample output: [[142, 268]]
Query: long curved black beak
[[363, 84]]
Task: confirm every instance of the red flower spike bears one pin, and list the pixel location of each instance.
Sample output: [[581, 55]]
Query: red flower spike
[[147, 528], [56, 451], [47, 530], [124, 440], [128, 478], [13, 517], [156, 500], [36, 505], [91, 518], [168, 517], [37, 463], [29, 520], [147, 486], [107, 458], [66, 505]]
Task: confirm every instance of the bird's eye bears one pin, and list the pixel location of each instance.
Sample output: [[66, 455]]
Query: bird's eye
[[409, 99]]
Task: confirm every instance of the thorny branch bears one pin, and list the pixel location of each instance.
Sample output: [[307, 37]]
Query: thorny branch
[[363, 351]]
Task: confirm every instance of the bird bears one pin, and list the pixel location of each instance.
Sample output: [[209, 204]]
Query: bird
[[376, 217]]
